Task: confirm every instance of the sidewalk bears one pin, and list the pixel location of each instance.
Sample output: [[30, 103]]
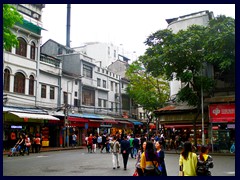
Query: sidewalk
[[47, 149]]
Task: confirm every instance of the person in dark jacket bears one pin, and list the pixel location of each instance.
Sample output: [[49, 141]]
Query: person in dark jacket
[[104, 140], [125, 149], [205, 161]]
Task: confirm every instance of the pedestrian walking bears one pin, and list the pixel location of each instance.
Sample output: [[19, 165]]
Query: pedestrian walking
[[161, 156], [115, 149], [21, 145], [136, 146], [187, 161], [138, 157], [104, 139], [27, 144], [94, 146], [90, 143], [205, 161], [99, 141], [131, 144], [74, 140], [37, 144], [125, 150]]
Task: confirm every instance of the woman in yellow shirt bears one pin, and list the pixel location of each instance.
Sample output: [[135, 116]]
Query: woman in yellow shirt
[[147, 159], [188, 161]]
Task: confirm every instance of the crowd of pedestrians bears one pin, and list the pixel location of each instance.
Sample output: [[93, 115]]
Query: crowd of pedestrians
[[149, 154]]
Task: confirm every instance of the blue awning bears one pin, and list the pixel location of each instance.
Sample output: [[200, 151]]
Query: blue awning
[[134, 121], [137, 123], [86, 115]]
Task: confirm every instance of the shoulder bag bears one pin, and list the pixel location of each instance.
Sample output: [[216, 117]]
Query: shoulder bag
[[157, 171]]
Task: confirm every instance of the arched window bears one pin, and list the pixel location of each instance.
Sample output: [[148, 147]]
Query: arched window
[[22, 47], [31, 85], [33, 49], [6, 80], [19, 83]]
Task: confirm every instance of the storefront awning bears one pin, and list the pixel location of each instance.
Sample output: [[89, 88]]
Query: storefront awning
[[34, 116], [87, 116], [135, 122]]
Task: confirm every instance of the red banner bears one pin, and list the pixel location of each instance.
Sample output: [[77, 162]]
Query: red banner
[[222, 112]]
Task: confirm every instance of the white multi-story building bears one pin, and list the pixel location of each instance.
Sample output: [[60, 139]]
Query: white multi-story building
[[104, 53], [182, 23]]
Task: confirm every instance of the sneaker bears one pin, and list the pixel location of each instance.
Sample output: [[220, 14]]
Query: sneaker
[[118, 167], [114, 168], [125, 168]]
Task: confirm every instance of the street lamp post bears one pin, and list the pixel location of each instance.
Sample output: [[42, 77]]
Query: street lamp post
[[202, 106], [203, 138]]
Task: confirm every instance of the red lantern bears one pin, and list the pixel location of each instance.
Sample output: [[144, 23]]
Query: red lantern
[[25, 119]]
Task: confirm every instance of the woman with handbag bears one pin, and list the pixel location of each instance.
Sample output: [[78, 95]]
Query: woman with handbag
[[149, 161], [161, 156]]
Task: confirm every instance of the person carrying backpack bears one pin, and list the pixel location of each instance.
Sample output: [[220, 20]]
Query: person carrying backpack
[[205, 161]]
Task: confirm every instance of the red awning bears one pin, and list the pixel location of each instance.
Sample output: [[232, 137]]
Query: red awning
[[77, 119], [94, 124], [111, 121]]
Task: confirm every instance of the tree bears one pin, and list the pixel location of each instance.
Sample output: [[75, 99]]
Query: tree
[[186, 54], [10, 17], [147, 91]]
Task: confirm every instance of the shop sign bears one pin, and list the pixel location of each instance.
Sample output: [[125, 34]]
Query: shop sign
[[215, 128], [106, 125], [25, 119], [231, 126], [86, 125], [222, 112]]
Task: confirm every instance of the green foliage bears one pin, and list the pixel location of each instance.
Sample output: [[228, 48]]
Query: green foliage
[[147, 91], [10, 17], [182, 55]]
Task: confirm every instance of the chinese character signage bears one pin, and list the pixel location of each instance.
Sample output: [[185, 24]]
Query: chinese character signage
[[222, 112]]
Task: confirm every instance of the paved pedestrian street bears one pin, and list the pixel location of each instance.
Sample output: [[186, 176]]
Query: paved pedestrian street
[[80, 163]]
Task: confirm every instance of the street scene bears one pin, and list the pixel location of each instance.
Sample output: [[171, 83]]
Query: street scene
[[154, 87], [81, 163]]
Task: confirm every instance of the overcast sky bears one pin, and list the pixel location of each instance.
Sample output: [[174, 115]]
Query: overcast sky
[[125, 24]]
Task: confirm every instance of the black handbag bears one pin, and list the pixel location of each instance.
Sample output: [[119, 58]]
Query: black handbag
[[156, 170]]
